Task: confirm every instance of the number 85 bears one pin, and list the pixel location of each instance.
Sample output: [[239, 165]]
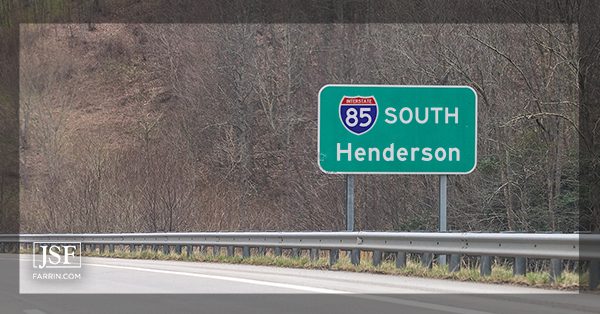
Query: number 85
[[352, 116]]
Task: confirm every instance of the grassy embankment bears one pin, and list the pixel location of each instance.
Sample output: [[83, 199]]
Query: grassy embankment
[[500, 273]]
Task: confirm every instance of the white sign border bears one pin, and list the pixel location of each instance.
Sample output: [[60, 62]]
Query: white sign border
[[381, 86]]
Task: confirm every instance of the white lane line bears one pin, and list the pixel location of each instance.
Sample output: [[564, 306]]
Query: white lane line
[[412, 303], [436, 307], [233, 279]]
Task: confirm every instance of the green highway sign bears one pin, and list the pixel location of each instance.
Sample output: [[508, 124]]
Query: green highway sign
[[397, 129]]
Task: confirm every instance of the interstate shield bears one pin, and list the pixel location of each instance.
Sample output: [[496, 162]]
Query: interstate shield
[[358, 114]]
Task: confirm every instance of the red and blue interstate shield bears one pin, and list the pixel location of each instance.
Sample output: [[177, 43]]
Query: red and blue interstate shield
[[358, 113]]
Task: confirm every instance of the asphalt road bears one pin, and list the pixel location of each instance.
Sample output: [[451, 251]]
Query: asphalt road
[[224, 288]]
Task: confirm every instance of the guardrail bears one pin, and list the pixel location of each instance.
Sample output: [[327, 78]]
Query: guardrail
[[520, 246]]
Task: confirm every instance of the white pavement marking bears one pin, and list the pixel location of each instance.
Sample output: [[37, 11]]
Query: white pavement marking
[[436, 307], [240, 280]]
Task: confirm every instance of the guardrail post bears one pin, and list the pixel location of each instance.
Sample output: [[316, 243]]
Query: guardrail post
[[154, 248], [245, 251], [178, 249], [594, 272], [93, 247], [520, 266], [355, 256], [131, 247], [203, 249], [277, 251], [1, 247], [427, 260], [556, 268], [454, 264], [442, 259], [400, 259], [334, 255], [101, 249], [111, 248], [189, 250], [262, 251], [216, 250], [485, 265], [295, 252], [314, 254], [376, 258], [230, 250], [166, 249]]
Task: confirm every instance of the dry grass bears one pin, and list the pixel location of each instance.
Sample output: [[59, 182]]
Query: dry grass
[[501, 274]]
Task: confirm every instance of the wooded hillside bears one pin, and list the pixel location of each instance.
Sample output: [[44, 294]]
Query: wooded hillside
[[198, 127]]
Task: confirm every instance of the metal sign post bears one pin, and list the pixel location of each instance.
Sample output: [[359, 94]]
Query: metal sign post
[[349, 202], [443, 212]]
